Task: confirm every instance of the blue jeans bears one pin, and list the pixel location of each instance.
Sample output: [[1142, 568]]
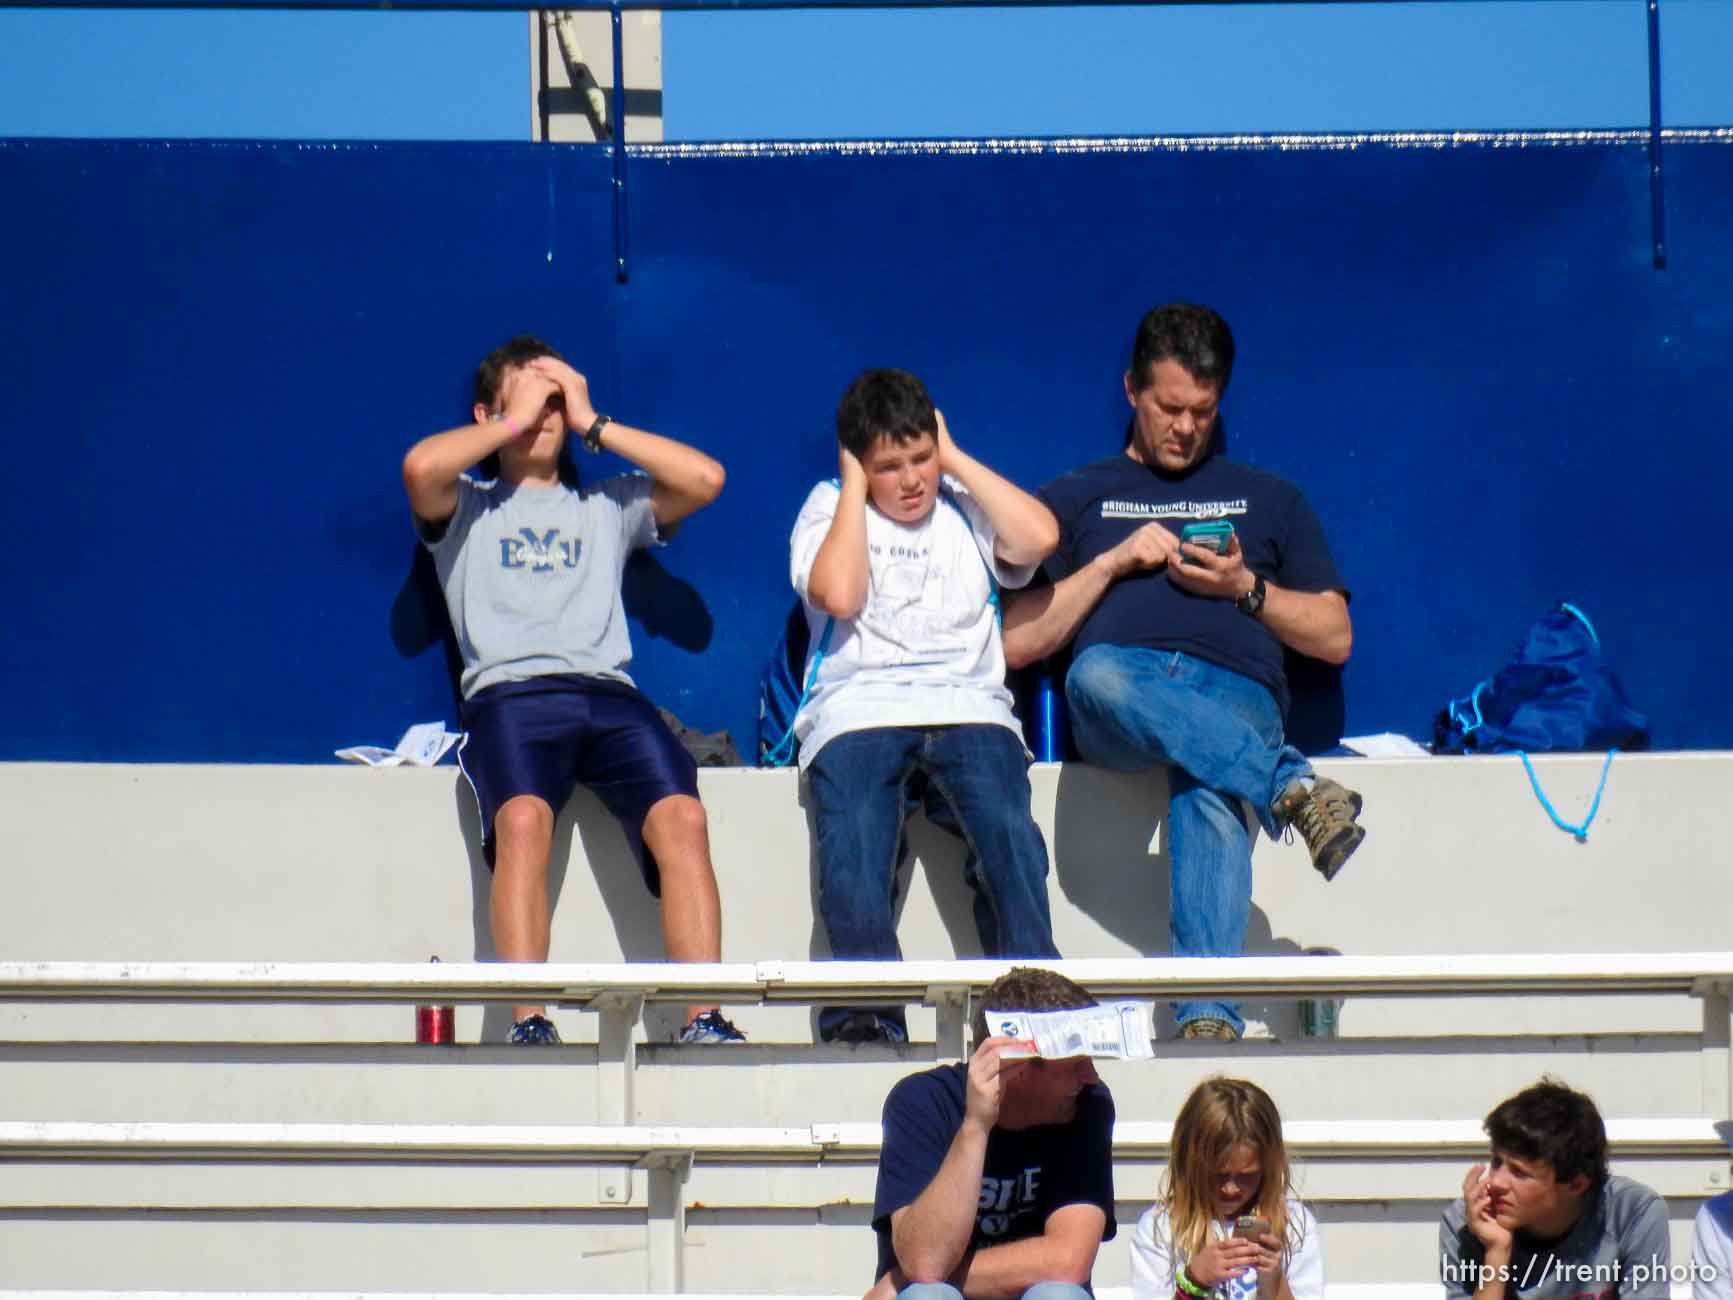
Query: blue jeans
[[858, 785], [1221, 734], [1040, 1291]]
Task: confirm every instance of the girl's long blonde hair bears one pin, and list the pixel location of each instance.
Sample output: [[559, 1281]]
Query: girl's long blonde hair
[[1222, 1114]]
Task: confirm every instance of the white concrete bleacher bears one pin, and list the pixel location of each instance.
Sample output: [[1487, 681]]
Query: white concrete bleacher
[[766, 1152]]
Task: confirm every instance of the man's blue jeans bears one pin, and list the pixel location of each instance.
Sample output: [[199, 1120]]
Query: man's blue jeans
[[1221, 734], [1040, 1291], [857, 784]]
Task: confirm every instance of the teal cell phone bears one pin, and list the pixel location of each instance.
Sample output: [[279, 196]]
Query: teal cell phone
[[1215, 534]]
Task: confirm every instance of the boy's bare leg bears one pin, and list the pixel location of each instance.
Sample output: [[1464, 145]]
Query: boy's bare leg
[[678, 835], [523, 831]]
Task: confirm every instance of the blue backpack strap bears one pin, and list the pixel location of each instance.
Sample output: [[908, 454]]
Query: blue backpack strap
[[1581, 831], [781, 754], [950, 499], [1459, 711], [1583, 619]]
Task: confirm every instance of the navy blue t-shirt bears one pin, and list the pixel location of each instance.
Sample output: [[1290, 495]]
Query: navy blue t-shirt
[[1102, 503], [1027, 1175]]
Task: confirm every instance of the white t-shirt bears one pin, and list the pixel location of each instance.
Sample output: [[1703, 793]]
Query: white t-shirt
[[1153, 1261], [925, 650], [1712, 1250]]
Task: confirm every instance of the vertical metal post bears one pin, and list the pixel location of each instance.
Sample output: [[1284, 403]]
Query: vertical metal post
[[666, 1254], [618, 141], [616, 1081], [1717, 1058], [951, 1005], [1657, 196], [542, 118]]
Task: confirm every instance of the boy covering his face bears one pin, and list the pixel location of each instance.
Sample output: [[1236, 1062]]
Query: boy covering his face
[[898, 563], [530, 564]]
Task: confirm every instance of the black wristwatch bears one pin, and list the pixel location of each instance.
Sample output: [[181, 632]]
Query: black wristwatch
[[593, 434], [1251, 603]]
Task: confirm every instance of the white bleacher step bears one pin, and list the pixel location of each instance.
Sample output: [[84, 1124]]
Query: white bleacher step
[[794, 1084]]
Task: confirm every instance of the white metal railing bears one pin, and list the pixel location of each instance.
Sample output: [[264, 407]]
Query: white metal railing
[[670, 1145], [862, 983], [617, 992], [668, 1154]]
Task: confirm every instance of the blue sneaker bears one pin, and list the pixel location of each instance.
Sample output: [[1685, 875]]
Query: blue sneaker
[[866, 1027], [535, 1031], [711, 1027]]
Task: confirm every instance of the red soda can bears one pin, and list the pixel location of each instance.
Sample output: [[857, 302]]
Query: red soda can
[[436, 1024]]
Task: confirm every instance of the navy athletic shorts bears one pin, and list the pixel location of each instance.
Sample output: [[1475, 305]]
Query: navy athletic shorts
[[544, 735]]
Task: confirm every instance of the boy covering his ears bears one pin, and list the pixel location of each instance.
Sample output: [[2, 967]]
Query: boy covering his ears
[[898, 562]]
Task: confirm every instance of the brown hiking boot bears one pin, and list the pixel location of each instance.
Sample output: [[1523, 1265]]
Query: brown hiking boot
[[1208, 1027], [1324, 816]]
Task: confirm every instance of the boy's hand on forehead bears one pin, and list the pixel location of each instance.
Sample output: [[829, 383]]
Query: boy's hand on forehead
[[580, 414], [524, 396]]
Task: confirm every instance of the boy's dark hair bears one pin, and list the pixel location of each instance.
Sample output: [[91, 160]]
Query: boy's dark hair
[[1194, 336], [1554, 1123], [519, 350], [889, 403], [1027, 988]]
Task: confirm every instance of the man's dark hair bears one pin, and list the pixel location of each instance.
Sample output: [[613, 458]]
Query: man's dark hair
[[1554, 1123], [1027, 988], [519, 350], [889, 403], [1194, 336]]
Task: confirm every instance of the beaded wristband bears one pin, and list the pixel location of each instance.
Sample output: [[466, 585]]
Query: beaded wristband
[[1183, 1280]]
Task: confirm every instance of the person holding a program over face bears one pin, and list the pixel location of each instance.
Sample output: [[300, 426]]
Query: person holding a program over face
[[996, 1175]]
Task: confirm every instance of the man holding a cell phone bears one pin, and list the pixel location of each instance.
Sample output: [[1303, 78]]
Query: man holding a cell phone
[[1180, 578]]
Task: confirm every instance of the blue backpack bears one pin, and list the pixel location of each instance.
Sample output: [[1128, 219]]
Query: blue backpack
[[1556, 693], [783, 688]]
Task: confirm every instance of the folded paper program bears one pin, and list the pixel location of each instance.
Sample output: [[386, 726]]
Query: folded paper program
[[1114, 1031]]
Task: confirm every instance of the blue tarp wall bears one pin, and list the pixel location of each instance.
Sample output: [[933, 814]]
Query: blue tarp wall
[[213, 356]]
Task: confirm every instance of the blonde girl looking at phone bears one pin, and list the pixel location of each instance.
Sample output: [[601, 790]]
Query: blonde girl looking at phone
[[1227, 1225]]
